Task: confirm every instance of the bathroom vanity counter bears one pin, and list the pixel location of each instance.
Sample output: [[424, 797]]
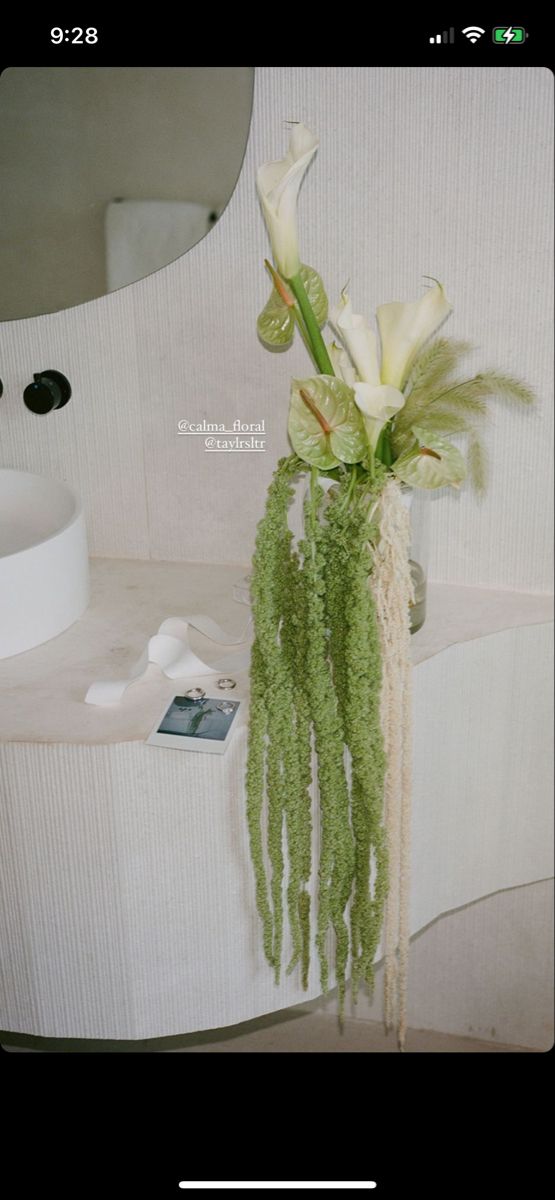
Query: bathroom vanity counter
[[42, 691], [129, 909]]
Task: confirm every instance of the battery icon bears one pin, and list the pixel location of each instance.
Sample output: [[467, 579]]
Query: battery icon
[[509, 34]]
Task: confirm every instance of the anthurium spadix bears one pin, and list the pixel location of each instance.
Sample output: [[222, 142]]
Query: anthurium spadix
[[404, 330], [278, 186]]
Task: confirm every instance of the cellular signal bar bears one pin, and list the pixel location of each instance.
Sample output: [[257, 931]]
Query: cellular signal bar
[[448, 35]]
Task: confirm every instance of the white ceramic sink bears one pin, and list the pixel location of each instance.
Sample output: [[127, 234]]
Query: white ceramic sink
[[44, 566]]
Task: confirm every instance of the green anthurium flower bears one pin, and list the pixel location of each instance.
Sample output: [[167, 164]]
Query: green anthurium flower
[[405, 328], [276, 323], [316, 293], [430, 462], [278, 186], [325, 426]]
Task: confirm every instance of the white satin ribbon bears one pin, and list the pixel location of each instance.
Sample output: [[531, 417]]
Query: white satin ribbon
[[169, 649]]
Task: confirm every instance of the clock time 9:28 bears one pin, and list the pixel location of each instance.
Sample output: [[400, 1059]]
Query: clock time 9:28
[[75, 36]]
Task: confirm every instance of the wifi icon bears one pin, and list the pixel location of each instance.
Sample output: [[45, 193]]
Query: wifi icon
[[473, 32]]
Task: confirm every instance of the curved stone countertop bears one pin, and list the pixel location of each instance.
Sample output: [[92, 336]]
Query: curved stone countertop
[[42, 691]]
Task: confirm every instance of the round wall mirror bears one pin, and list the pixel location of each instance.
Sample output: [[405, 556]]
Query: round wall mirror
[[109, 173]]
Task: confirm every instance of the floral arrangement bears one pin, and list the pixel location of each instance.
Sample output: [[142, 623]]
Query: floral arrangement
[[330, 665]]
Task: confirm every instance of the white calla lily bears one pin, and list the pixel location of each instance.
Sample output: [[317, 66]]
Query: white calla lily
[[404, 330], [377, 401], [342, 364], [381, 402], [278, 186], [377, 404], [358, 337]]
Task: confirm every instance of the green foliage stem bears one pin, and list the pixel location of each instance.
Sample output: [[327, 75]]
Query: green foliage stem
[[321, 356]]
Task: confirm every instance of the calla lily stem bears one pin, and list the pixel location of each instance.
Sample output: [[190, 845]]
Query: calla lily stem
[[303, 332], [321, 356], [350, 489], [383, 447]]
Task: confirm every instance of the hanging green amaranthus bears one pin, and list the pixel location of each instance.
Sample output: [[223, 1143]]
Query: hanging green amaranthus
[[315, 674]]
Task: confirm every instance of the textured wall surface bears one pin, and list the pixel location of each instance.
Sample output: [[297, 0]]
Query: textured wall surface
[[442, 172]]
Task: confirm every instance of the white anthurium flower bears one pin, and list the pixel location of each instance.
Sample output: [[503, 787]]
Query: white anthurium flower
[[405, 328], [342, 364], [358, 337], [278, 186], [377, 404]]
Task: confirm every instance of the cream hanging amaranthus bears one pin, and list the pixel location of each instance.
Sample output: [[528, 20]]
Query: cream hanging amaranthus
[[393, 588], [330, 665]]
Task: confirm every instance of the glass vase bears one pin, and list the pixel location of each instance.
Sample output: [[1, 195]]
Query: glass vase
[[417, 502]]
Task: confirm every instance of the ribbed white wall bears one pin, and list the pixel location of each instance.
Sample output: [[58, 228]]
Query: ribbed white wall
[[444, 172]]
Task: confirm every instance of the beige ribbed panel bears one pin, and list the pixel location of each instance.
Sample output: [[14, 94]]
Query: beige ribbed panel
[[445, 172], [128, 906], [130, 910], [483, 769], [493, 969], [482, 971]]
